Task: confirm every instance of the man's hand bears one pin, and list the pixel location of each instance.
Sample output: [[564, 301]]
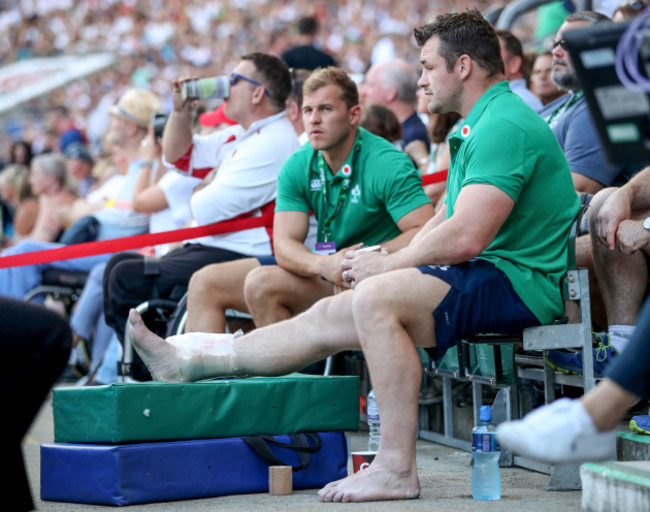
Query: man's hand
[[614, 210], [149, 148], [631, 236], [177, 97], [331, 269], [361, 264]]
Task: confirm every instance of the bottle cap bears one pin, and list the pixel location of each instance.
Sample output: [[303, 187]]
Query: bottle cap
[[485, 413]]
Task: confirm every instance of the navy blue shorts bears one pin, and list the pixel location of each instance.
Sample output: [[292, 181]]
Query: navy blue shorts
[[481, 300], [266, 260]]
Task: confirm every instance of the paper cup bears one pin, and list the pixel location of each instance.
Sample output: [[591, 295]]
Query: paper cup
[[361, 460]]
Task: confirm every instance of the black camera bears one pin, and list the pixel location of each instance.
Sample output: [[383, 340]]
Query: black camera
[[159, 121]]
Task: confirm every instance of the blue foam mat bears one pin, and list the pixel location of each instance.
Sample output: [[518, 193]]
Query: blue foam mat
[[148, 472]]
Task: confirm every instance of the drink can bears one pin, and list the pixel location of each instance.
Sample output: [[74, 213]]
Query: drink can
[[213, 87]]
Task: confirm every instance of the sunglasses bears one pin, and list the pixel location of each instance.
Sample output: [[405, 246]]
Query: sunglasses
[[637, 5], [559, 42], [234, 77]]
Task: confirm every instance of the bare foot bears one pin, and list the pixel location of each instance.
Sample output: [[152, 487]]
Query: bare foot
[[374, 483], [159, 356]]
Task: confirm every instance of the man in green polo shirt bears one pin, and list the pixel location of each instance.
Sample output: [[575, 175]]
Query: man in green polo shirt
[[359, 187], [489, 262]]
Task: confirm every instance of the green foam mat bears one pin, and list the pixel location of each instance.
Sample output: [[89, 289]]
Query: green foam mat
[[151, 411]]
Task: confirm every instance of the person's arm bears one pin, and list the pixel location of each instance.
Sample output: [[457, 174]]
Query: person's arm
[[177, 137], [589, 168], [433, 222], [631, 236], [638, 190], [147, 195], [618, 207], [409, 225], [585, 184], [289, 232], [479, 213], [419, 153], [47, 226], [436, 191]]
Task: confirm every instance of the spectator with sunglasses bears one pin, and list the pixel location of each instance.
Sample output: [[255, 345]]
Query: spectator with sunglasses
[[239, 168], [569, 117]]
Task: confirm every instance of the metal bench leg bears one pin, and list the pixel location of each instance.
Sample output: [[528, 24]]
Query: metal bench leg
[[565, 477]]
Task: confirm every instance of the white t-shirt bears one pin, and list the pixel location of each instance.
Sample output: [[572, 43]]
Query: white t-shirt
[[119, 219], [177, 190]]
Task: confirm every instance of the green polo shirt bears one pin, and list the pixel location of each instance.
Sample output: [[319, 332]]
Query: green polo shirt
[[384, 186], [504, 143]]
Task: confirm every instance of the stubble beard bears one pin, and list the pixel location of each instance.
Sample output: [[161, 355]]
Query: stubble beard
[[564, 79]]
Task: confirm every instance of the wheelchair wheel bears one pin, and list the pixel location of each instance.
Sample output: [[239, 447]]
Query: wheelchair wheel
[[178, 318]]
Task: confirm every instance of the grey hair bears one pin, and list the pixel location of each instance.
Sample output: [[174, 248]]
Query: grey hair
[[590, 17], [52, 165], [402, 76]]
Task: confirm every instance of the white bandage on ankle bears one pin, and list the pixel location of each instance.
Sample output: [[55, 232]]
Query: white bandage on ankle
[[206, 355]]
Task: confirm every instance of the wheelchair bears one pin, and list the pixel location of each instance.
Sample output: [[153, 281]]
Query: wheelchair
[[61, 285]]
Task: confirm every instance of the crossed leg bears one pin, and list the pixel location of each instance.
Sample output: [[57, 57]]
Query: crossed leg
[[377, 317], [622, 277]]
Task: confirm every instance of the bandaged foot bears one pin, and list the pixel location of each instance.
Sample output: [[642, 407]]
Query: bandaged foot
[[185, 357]]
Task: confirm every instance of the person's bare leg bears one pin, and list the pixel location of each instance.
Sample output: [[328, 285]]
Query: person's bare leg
[[622, 277], [212, 290], [607, 403], [390, 323], [584, 259], [323, 330], [274, 294]]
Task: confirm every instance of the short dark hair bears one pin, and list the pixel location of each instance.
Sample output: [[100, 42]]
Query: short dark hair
[[464, 33], [381, 121], [331, 75], [511, 43], [298, 78], [274, 75], [307, 25]]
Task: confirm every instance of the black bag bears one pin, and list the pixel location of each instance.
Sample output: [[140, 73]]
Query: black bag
[[301, 445], [84, 230]]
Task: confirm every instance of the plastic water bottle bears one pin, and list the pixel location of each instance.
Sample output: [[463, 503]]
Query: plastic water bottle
[[373, 422], [486, 478]]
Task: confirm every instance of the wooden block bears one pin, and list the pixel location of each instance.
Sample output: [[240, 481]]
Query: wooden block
[[280, 480]]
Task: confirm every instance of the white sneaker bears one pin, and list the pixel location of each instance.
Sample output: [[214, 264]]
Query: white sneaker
[[559, 432]]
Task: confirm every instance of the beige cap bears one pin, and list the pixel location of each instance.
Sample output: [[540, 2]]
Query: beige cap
[[137, 106]]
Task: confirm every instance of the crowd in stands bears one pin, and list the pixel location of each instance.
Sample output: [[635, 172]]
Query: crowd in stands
[[157, 41], [338, 152]]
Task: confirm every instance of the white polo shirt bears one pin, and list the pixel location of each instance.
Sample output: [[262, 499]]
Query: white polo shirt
[[246, 178]]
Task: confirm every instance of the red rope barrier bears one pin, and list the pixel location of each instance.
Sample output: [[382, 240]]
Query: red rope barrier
[[69, 252]]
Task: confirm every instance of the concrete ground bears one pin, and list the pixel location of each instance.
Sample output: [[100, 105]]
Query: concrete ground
[[445, 475]]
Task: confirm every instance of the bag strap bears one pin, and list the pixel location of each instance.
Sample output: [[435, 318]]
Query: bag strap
[[260, 445]]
